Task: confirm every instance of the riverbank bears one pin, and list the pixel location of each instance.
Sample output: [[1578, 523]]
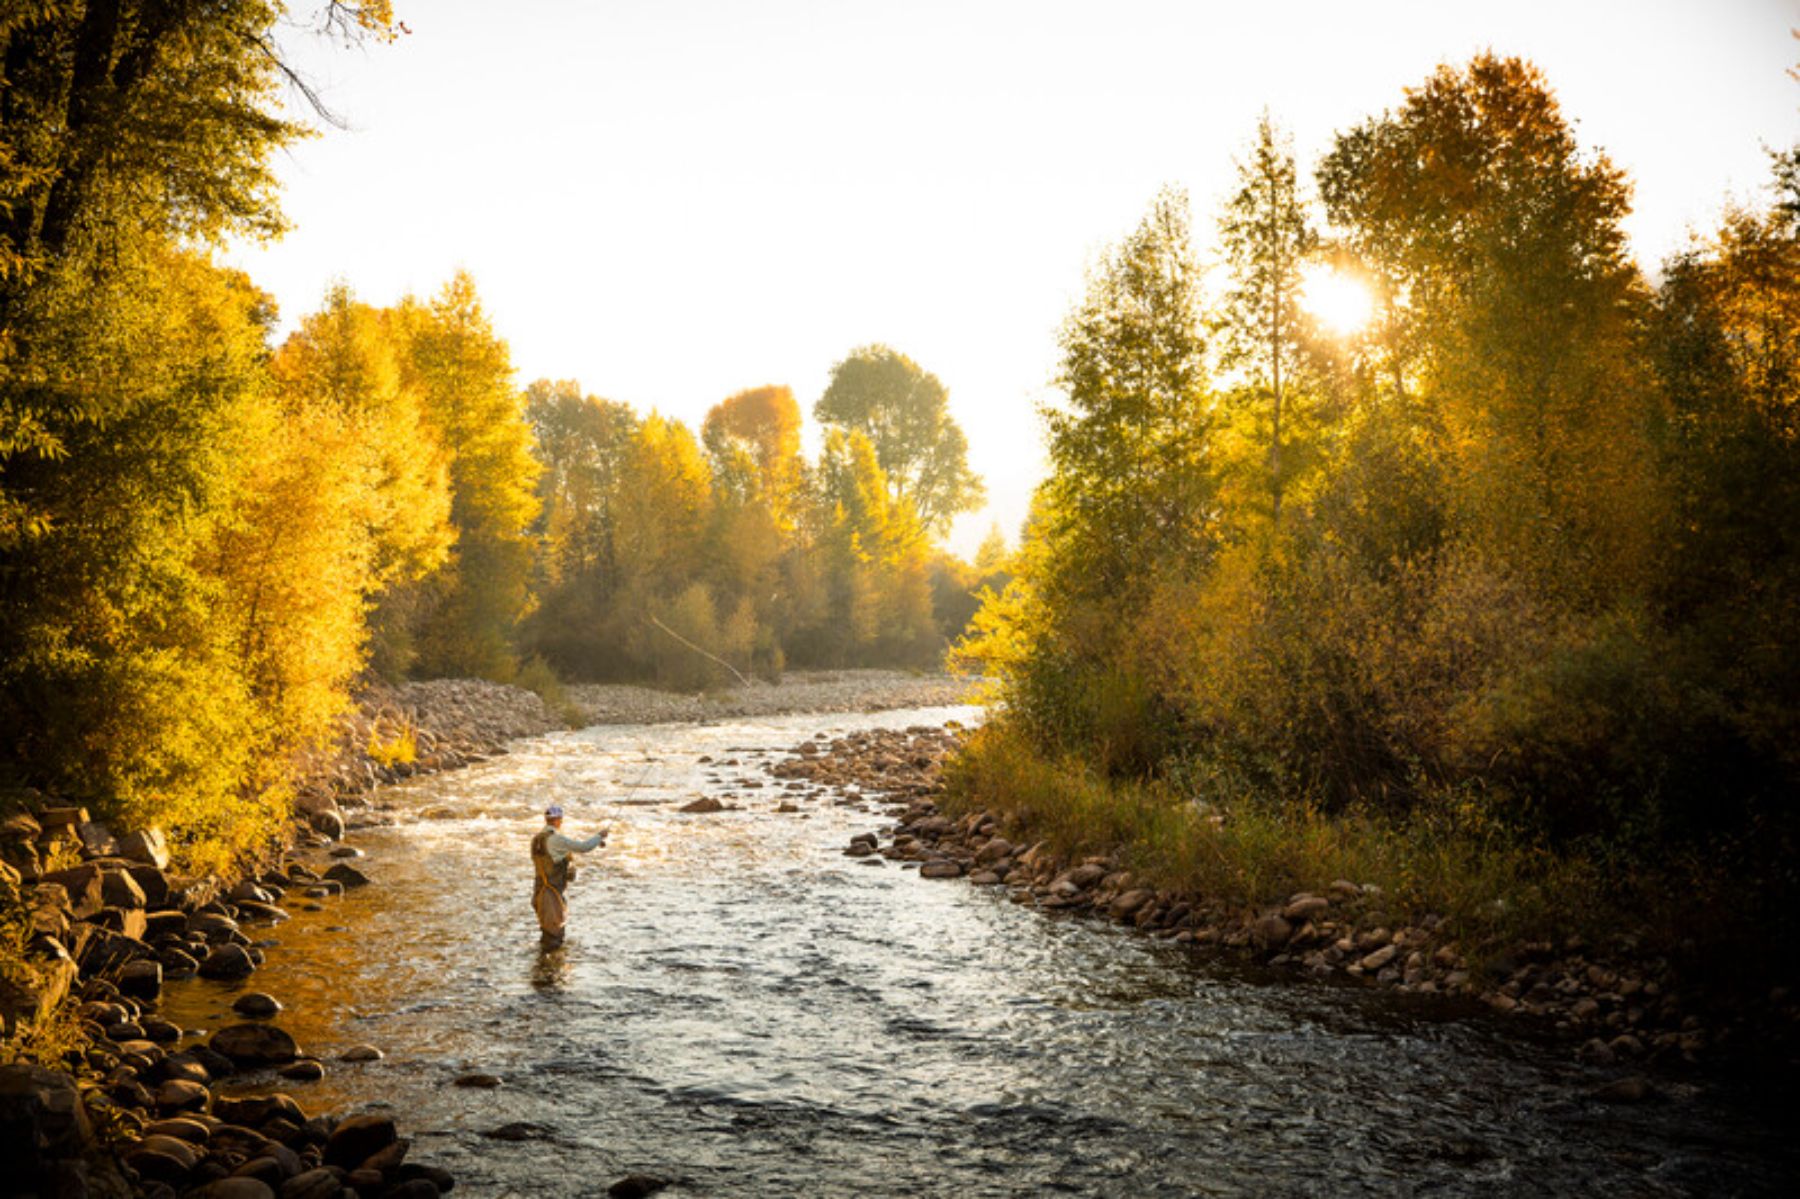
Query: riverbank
[[798, 691], [1614, 1003]]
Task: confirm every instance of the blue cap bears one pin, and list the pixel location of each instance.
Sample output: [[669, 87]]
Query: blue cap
[[553, 812]]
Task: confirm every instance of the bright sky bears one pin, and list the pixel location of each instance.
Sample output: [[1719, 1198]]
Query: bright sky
[[673, 200]]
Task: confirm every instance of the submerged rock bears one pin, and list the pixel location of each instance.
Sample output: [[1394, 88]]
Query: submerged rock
[[255, 1045]]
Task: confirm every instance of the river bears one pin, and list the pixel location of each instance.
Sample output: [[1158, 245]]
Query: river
[[744, 1010]]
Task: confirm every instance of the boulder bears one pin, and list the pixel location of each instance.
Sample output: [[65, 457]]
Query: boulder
[[106, 950], [941, 868], [702, 806], [304, 1070], [182, 1128], [346, 876], [250, 909], [1271, 933], [256, 1005], [42, 1119], [83, 885], [146, 846], [481, 1081], [97, 840], [234, 1188], [361, 1053], [254, 1045], [181, 1095], [1130, 902], [129, 921], [636, 1186], [228, 962], [313, 1184], [141, 979], [412, 1188], [1304, 907], [57, 819], [1379, 958], [357, 1138]]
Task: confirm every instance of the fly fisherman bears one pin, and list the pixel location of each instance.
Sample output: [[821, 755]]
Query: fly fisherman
[[550, 852]]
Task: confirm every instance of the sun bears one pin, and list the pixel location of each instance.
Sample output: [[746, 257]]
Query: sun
[[1339, 301]]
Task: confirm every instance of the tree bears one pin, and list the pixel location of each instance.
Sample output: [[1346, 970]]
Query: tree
[[1265, 239], [904, 412], [1509, 335], [753, 439], [1131, 486], [463, 372], [123, 124]]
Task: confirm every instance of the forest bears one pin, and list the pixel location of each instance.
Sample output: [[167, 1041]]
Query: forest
[[1494, 598], [211, 533]]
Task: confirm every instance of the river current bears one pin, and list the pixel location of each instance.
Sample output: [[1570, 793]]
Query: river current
[[745, 1011]]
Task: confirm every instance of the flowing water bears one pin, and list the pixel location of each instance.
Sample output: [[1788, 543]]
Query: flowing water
[[746, 1011]]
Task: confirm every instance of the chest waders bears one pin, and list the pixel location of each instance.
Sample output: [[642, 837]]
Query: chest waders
[[552, 881]]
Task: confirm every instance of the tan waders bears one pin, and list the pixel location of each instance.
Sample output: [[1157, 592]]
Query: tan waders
[[548, 900]]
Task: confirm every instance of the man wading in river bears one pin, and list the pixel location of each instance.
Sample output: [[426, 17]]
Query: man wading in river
[[550, 852]]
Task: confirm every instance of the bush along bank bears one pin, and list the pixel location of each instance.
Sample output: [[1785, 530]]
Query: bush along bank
[[1614, 1001], [102, 1096]]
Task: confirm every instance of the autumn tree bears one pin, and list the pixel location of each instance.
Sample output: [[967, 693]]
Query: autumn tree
[[462, 372], [1265, 239], [1508, 335], [904, 412]]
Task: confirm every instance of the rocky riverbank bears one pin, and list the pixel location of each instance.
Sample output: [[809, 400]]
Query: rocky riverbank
[[139, 1105], [1615, 1006], [798, 691], [395, 733]]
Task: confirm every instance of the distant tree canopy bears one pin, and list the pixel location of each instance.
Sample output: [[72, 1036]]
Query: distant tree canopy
[[904, 412], [1535, 563]]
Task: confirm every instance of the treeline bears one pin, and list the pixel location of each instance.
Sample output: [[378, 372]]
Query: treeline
[[658, 544], [1512, 565], [205, 538]]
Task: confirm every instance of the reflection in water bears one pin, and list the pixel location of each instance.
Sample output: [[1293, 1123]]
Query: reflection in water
[[742, 1008], [552, 969]]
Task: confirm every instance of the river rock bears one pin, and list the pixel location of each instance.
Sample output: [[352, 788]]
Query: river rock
[[250, 909], [180, 1095], [119, 888], [234, 1188], [1271, 933], [941, 868], [255, 1045], [1634, 1089], [305, 1070], [361, 1053], [97, 840], [42, 1118], [1303, 907], [256, 1005], [1128, 903], [227, 962], [313, 1184], [636, 1186], [182, 1128], [346, 876], [705, 804], [162, 1159], [84, 888], [357, 1137], [412, 1188], [146, 846], [141, 979], [1379, 958], [481, 1081]]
